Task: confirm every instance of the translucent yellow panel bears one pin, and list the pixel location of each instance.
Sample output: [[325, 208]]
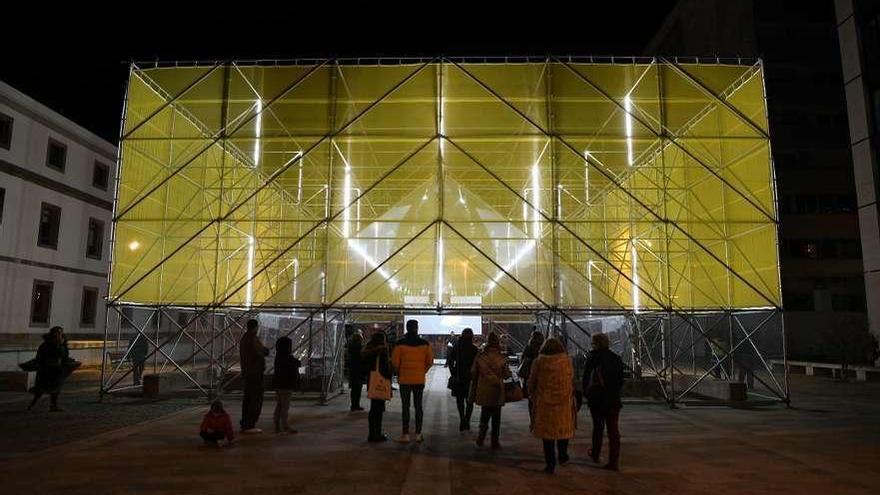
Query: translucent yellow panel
[[446, 184]]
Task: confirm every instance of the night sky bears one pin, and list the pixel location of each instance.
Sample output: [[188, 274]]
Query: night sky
[[74, 58]]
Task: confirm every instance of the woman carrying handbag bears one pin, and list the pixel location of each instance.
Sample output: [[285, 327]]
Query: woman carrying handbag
[[375, 359], [487, 388]]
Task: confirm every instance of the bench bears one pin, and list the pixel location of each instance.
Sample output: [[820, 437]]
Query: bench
[[116, 357], [726, 390], [834, 370], [17, 381], [157, 383]]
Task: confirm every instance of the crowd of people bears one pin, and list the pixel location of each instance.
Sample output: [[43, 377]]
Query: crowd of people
[[478, 376]]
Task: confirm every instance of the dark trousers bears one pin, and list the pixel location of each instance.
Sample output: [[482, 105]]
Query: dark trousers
[[53, 399], [377, 409], [493, 414], [412, 393], [252, 403], [212, 436], [550, 452], [465, 409], [606, 418], [356, 388]]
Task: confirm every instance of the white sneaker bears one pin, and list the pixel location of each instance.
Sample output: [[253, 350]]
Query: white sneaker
[[251, 431], [419, 438], [403, 438]]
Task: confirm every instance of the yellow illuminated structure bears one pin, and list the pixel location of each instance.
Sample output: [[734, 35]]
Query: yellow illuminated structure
[[561, 184]]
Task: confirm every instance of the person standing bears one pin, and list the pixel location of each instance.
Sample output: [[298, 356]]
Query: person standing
[[489, 370], [375, 357], [530, 353], [253, 365], [603, 381], [551, 391], [356, 375], [412, 358], [52, 356], [138, 356], [460, 361], [284, 380]]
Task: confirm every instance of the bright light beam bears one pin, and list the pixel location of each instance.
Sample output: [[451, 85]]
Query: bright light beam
[[627, 106]]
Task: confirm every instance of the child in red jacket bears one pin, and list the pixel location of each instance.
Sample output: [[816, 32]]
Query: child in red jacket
[[217, 425]]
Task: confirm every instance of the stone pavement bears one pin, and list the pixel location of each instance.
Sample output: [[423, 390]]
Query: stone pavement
[[827, 444]]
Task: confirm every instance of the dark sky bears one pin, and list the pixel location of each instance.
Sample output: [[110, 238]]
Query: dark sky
[[73, 58]]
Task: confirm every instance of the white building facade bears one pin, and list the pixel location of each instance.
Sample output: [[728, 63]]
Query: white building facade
[[56, 203]]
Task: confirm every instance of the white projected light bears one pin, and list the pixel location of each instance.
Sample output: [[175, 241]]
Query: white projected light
[[258, 129], [627, 106], [443, 324], [635, 277]]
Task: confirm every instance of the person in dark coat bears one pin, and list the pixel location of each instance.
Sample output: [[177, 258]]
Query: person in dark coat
[[603, 381], [459, 361], [284, 381], [52, 356], [138, 356], [530, 353], [356, 375], [375, 354], [253, 365]]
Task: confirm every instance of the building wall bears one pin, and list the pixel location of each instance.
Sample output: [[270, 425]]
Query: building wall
[[821, 253], [29, 182], [858, 28]]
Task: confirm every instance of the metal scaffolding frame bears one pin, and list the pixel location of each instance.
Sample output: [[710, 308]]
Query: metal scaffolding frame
[[231, 206]]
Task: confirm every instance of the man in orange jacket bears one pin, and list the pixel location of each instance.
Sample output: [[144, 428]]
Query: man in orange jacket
[[412, 358]]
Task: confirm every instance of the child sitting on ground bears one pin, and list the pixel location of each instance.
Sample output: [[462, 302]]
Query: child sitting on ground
[[217, 425]]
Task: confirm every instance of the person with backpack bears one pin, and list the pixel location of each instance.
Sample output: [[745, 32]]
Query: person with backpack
[[552, 395], [284, 381], [603, 381]]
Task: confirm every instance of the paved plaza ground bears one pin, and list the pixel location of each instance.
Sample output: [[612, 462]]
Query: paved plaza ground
[[828, 443]]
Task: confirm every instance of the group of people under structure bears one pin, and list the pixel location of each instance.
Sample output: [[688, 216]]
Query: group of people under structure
[[478, 376]]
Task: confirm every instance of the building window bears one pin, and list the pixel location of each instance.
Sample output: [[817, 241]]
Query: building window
[[56, 155], [89, 306], [5, 131], [95, 239], [50, 223], [41, 302], [2, 202], [100, 175]]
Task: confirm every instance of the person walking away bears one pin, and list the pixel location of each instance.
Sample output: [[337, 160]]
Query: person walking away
[[285, 380], [603, 381], [412, 358], [489, 370], [356, 373], [460, 361], [530, 353], [51, 357], [217, 425], [374, 356], [253, 365], [138, 356], [551, 391]]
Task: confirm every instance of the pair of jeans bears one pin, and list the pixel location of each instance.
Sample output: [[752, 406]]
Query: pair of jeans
[[282, 407], [465, 409], [414, 394], [252, 402], [550, 452], [606, 418], [356, 388], [377, 409], [493, 414]]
